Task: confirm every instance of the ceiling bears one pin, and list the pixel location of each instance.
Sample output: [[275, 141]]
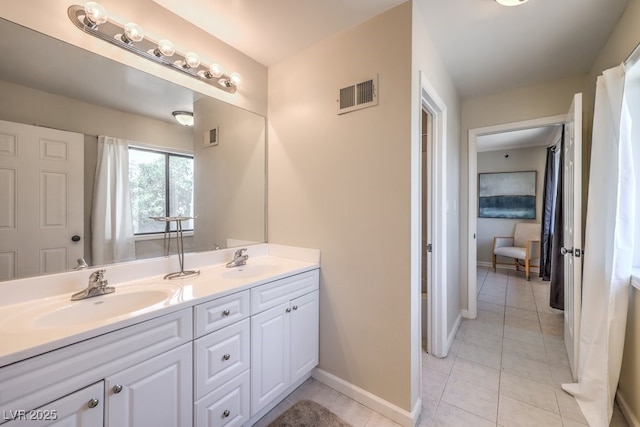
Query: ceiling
[[486, 47], [534, 137]]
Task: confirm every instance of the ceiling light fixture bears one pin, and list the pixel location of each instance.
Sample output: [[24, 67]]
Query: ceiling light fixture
[[92, 19], [185, 118], [511, 2]]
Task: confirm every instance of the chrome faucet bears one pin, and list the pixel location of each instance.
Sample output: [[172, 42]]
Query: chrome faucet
[[97, 286], [238, 259]]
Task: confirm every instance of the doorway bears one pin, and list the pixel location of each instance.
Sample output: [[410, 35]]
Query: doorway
[[426, 150], [472, 250]]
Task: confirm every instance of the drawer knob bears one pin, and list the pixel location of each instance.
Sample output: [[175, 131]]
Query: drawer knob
[[226, 357], [226, 413], [295, 307], [288, 310], [117, 388], [226, 313], [93, 403]]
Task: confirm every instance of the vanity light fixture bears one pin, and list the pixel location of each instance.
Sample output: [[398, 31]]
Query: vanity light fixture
[[185, 118], [92, 19], [511, 2]]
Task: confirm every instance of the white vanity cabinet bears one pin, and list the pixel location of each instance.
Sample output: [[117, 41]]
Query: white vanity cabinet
[[222, 361], [284, 335], [156, 392], [151, 360]]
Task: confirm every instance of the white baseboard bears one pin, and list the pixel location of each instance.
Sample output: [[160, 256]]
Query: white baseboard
[[370, 400], [627, 410]]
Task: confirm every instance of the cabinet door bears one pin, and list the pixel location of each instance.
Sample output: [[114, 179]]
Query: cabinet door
[[154, 393], [269, 355], [84, 408], [304, 331]]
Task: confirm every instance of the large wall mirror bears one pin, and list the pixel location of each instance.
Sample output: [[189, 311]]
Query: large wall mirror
[[65, 111]]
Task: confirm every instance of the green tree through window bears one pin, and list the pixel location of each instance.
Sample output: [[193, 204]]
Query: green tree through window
[[161, 184]]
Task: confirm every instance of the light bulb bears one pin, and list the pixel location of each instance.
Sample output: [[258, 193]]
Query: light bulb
[[165, 48], [191, 60], [95, 14], [235, 79], [132, 33], [215, 70]]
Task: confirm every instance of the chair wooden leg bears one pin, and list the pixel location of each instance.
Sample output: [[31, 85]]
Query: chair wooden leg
[[517, 264], [494, 263], [527, 266]]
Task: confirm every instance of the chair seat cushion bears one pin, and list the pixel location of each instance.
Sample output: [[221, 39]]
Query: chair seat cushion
[[511, 252]]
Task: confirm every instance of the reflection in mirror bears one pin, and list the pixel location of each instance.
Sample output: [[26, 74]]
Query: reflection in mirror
[[54, 115]]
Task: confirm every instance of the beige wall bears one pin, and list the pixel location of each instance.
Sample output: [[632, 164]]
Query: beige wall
[[341, 183], [523, 159], [30, 106], [623, 40], [51, 18], [229, 194], [533, 102]]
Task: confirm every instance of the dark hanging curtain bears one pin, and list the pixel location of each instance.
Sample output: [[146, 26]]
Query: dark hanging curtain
[[556, 291], [549, 194], [551, 260]]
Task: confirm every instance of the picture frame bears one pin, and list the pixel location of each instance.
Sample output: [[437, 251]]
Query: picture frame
[[507, 195]]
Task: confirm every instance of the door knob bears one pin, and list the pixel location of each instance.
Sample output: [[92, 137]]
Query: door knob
[[565, 251], [93, 403], [75, 238], [117, 388]]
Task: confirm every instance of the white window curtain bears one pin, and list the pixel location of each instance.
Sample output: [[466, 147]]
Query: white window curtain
[[608, 248], [111, 218]]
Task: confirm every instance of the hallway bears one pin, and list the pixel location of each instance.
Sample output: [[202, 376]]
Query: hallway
[[505, 368]]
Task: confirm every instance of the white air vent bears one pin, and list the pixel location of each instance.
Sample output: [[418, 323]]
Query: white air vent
[[358, 96]]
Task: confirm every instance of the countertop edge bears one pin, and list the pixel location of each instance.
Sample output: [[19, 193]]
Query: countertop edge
[[117, 324]]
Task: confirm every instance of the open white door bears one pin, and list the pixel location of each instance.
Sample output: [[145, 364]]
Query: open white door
[[572, 245], [42, 200]]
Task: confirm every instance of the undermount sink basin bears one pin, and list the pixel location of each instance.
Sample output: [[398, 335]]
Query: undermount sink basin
[[60, 312], [250, 270]]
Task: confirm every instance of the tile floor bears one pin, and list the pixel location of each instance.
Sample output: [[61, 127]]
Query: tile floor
[[504, 368]]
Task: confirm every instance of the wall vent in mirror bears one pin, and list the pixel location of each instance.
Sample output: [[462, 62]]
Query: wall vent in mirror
[[357, 96], [211, 138], [92, 19]]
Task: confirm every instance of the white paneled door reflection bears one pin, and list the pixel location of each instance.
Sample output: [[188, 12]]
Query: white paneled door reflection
[[42, 199]]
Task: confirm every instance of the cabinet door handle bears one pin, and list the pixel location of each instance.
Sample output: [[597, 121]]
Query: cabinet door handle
[[226, 357], [295, 307], [288, 310], [117, 388], [226, 413], [93, 403], [226, 313]]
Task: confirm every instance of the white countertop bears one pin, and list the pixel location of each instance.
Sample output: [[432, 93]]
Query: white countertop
[[19, 339]]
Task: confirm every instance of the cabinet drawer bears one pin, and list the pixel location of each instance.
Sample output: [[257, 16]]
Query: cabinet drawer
[[217, 314], [272, 294], [221, 356], [227, 406]]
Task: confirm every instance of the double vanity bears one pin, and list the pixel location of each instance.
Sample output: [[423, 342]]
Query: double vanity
[[218, 349]]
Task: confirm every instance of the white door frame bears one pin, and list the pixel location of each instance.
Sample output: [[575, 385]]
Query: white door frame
[[437, 276], [472, 301]]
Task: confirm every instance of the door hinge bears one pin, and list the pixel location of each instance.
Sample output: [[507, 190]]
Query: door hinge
[[577, 253], [429, 247]]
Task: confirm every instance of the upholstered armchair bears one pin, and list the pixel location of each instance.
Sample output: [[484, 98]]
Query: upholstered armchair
[[523, 246]]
